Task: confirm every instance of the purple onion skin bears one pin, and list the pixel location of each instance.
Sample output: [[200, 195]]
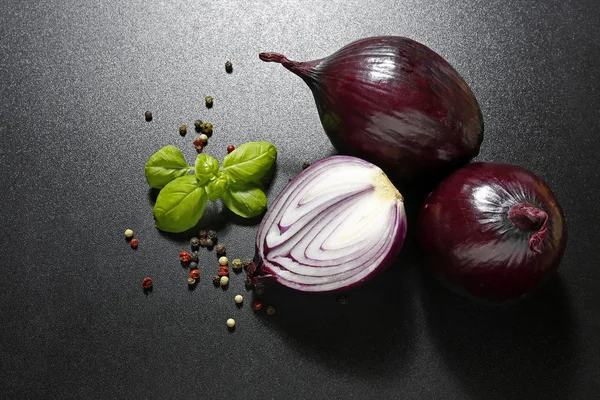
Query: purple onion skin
[[394, 102], [492, 232]]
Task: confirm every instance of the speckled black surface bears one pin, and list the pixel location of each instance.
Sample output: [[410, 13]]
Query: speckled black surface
[[75, 80]]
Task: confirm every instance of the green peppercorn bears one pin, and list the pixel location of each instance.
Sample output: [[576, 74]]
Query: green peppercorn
[[220, 249], [182, 129], [148, 116], [208, 100], [236, 264], [271, 310], [198, 125], [246, 263], [212, 235], [207, 128], [228, 67], [194, 243], [343, 299]]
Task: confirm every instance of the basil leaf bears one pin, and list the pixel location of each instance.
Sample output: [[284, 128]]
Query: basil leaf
[[250, 161], [206, 167], [165, 165], [180, 204], [246, 200], [216, 187]]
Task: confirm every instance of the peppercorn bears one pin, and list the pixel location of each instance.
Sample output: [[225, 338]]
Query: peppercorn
[[182, 129], [230, 148], [198, 125], [231, 323], [147, 283], [223, 271], [193, 265], [257, 305], [203, 242], [191, 281], [194, 257], [216, 280], [237, 264], [194, 243], [343, 299], [212, 235], [248, 283], [195, 274], [208, 100], [228, 67], [305, 165], [209, 244], [128, 233], [199, 148], [246, 263], [202, 234], [224, 281], [134, 243], [203, 138], [185, 257], [271, 310], [207, 128], [238, 299], [223, 260], [259, 290], [197, 143], [220, 249], [148, 116]]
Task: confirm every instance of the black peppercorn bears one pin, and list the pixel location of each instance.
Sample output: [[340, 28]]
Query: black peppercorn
[[194, 257], [228, 67], [221, 251], [216, 280], [208, 100], [212, 235], [209, 244], [305, 165], [148, 116], [259, 290], [202, 234], [248, 283], [198, 125], [203, 242], [194, 242], [193, 265]]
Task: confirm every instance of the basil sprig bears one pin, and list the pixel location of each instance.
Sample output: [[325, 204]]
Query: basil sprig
[[186, 189]]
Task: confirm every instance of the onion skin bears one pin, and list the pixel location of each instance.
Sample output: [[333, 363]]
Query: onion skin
[[492, 232], [394, 102], [290, 228]]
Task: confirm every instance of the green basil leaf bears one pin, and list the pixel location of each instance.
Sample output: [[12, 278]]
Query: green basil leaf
[[180, 204], [250, 161], [217, 187], [246, 200], [165, 165], [206, 167]]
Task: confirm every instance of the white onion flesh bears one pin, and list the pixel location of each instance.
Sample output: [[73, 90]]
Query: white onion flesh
[[333, 226]]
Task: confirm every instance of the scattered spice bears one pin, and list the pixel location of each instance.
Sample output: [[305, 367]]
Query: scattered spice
[[224, 281], [199, 148], [223, 271], [231, 323], [202, 234], [185, 257], [238, 299], [343, 299], [220, 249], [230, 148], [134, 243], [228, 67], [271, 310], [197, 143], [203, 242], [194, 243], [191, 281], [208, 100], [237, 264], [182, 129], [305, 164], [198, 125], [248, 283], [257, 305], [203, 138], [223, 260], [195, 274], [194, 257], [212, 235], [216, 280], [148, 116], [128, 233], [147, 283], [259, 290], [209, 244], [246, 263], [207, 128], [193, 265]]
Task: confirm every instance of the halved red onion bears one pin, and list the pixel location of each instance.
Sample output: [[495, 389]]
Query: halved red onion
[[336, 224]]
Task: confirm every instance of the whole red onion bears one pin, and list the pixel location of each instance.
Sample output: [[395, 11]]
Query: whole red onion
[[492, 231], [394, 102]]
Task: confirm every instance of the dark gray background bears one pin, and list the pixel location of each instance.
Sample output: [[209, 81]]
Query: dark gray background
[[75, 80]]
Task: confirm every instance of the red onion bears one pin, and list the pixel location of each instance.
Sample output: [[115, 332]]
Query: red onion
[[492, 231], [333, 226], [394, 102]]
